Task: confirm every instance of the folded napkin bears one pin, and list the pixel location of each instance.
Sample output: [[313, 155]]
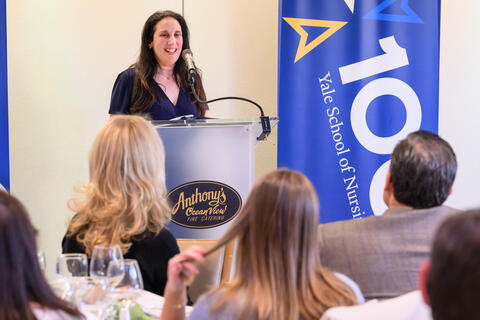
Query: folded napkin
[[136, 313]]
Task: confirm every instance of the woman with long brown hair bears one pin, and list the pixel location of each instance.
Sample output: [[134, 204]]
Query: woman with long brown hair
[[125, 202], [278, 273], [157, 83], [24, 292]]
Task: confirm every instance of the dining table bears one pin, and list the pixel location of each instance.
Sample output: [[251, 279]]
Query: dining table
[[75, 290]]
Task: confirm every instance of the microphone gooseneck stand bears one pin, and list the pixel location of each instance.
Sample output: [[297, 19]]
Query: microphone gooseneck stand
[[265, 121]]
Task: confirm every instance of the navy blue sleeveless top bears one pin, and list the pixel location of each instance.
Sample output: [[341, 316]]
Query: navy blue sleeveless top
[[162, 108]]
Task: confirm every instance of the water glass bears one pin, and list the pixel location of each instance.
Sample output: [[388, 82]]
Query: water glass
[[91, 296], [63, 288], [129, 287], [102, 256], [72, 265], [42, 261]]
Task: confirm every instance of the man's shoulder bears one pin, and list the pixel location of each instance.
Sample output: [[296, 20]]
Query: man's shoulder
[[437, 210], [346, 225], [390, 217], [423, 216]]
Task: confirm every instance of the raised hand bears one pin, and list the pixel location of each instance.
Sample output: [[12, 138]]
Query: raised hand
[[182, 267], [181, 272]]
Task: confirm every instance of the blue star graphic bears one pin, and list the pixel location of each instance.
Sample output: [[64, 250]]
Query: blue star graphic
[[410, 16]]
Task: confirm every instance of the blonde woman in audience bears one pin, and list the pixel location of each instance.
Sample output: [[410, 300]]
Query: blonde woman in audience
[[24, 292], [278, 270], [125, 201]]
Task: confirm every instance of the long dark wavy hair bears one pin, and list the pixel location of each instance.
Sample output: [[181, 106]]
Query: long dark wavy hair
[[144, 94], [22, 281]]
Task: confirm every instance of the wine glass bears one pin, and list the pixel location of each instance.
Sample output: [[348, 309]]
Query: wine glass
[[71, 269], [129, 287], [42, 261], [102, 256], [92, 297], [72, 265]]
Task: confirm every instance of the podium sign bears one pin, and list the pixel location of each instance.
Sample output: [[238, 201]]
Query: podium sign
[[210, 169]]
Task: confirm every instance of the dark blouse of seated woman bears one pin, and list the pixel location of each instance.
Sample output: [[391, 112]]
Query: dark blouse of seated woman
[[125, 202]]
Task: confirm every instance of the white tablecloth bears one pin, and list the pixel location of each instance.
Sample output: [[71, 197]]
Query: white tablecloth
[[150, 303]]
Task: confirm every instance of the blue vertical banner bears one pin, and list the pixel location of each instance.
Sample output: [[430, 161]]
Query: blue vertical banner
[[4, 153], [355, 77]]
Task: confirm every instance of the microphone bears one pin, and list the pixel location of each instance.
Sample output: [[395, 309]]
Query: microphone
[[191, 69], [192, 72]]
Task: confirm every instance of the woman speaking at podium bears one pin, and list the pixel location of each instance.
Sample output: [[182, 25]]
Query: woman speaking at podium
[[156, 84]]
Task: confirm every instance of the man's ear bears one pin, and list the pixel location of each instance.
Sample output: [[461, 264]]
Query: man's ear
[[423, 274], [388, 183], [388, 191]]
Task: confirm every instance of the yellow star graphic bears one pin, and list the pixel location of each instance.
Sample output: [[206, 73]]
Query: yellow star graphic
[[303, 47]]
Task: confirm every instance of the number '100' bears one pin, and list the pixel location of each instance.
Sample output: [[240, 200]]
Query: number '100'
[[394, 57]]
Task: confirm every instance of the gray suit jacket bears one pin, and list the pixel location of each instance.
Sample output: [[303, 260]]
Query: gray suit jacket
[[382, 254]]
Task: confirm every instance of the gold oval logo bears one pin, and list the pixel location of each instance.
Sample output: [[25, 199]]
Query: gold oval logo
[[203, 204]]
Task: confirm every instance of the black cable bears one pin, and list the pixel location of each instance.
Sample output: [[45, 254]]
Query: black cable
[[226, 98], [265, 121]]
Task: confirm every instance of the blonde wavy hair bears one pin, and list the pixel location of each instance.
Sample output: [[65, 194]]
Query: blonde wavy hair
[[126, 195], [278, 270]]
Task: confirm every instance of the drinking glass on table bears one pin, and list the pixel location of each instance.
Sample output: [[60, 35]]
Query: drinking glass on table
[[72, 265], [71, 269], [129, 288], [102, 256], [92, 298], [42, 261]]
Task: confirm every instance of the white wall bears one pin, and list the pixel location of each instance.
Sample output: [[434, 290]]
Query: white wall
[[235, 44], [63, 57], [460, 95]]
